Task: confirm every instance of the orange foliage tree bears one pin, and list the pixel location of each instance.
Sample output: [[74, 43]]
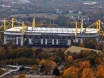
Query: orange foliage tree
[[87, 73], [33, 67], [71, 72], [81, 45], [100, 72], [42, 62], [98, 61], [21, 76], [47, 63], [84, 64], [70, 58]]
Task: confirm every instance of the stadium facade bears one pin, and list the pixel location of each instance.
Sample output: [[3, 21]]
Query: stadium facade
[[48, 36]]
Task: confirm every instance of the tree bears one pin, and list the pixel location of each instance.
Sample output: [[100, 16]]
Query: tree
[[81, 45], [21, 52], [21, 76], [60, 54], [90, 43], [37, 51], [47, 63], [100, 72], [70, 58], [84, 64], [33, 61], [10, 48], [10, 43], [87, 73], [71, 72], [91, 56], [57, 59], [34, 67], [103, 49], [56, 71], [1, 49], [42, 68], [98, 61], [43, 55], [1, 71], [42, 62], [2, 56], [11, 76]]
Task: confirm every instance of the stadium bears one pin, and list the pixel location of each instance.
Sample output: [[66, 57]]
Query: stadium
[[48, 36]]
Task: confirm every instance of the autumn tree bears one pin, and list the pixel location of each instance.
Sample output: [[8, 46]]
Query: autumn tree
[[90, 43], [43, 55], [98, 61], [21, 76], [60, 54], [2, 56], [83, 53], [42, 62], [81, 45], [1, 71], [99, 47], [101, 55], [11, 76], [87, 73], [47, 65], [103, 49], [70, 58], [100, 72], [21, 52], [84, 64], [34, 67], [1, 49], [91, 56], [38, 51], [57, 59], [10, 48], [56, 71], [33, 61], [71, 72]]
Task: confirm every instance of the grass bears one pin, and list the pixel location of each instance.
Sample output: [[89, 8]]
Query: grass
[[45, 15]]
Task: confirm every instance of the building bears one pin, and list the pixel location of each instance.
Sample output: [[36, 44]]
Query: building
[[76, 49], [46, 36], [89, 3]]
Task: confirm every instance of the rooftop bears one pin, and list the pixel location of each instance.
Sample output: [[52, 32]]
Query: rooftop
[[75, 49], [50, 30]]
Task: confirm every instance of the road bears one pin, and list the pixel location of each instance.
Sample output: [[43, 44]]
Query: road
[[36, 76], [11, 70], [27, 75]]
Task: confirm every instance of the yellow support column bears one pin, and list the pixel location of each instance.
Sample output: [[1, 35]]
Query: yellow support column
[[33, 24], [23, 27], [12, 22], [22, 41], [82, 24], [76, 29], [99, 23], [4, 24]]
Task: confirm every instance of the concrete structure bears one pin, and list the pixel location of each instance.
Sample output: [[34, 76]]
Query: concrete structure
[[75, 49], [47, 36]]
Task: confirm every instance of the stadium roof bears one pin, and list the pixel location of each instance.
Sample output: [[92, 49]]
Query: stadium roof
[[51, 30]]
